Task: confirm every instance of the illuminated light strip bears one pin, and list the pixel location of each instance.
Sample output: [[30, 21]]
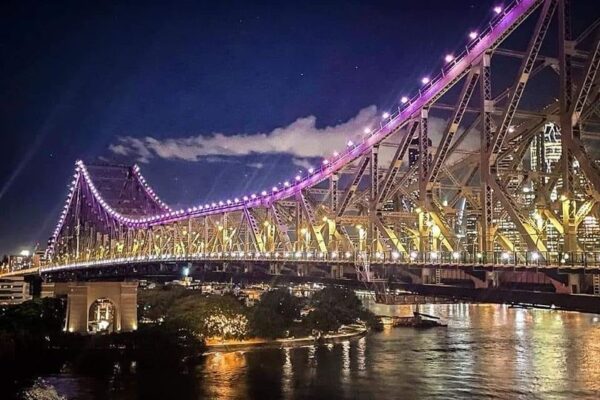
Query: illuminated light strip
[[496, 31], [148, 189], [393, 257], [65, 211]]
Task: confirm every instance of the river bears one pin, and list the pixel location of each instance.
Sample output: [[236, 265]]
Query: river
[[487, 351]]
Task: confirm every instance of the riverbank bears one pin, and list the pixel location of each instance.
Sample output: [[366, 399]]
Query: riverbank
[[236, 345]]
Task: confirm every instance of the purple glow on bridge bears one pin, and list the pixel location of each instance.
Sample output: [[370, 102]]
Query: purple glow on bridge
[[433, 88]]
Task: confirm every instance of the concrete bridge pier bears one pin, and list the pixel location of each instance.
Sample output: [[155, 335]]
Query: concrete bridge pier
[[337, 271], [575, 283], [429, 276], [274, 269], [567, 283], [97, 306], [302, 270]]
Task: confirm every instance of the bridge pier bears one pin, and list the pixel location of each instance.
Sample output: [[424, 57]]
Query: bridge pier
[[337, 272], [97, 306], [431, 276], [575, 282], [302, 270], [274, 269]]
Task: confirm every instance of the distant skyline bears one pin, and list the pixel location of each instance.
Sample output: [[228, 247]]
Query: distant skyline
[[211, 99]]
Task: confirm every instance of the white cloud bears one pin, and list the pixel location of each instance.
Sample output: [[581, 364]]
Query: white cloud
[[302, 163], [301, 139]]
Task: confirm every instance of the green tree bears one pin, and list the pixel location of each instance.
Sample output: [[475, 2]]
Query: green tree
[[154, 304], [274, 314], [334, 306], [342, 302], [209, 316], [42, 316]]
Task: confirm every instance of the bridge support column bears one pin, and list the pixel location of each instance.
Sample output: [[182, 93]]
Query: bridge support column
[[575, 283], [493, 279], [274, 269], [302, 270], [337, 271], [248, 269], [428, 275]]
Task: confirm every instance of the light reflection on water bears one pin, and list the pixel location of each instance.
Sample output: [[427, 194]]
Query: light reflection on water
[[486, 351]]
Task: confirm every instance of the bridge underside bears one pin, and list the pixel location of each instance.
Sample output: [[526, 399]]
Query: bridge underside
[[481, 168]]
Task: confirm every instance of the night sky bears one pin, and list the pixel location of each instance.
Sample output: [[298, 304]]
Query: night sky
[[186, 88]]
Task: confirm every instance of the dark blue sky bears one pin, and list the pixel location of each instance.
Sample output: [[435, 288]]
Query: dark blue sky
[[76, 76]]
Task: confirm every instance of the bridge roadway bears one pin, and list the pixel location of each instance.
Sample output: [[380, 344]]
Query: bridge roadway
[[575, 273], [518, 261]]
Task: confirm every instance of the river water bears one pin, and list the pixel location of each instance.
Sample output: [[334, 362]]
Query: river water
[[487, 351]]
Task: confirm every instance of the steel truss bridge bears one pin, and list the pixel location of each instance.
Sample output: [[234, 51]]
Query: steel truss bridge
[[510, 181]]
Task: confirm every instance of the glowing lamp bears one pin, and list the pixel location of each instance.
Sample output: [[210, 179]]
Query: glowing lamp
[[473, 35], [425, 80], [449, 58]]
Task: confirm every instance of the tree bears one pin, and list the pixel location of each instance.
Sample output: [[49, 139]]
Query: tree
[[274, 314], [341, 302], [43, 316], [209, 316], [154, 304], [334, 306]]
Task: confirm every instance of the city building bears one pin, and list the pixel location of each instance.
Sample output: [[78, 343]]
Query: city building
[[14, 290]]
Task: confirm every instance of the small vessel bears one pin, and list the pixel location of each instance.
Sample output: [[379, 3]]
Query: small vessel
[[426, 321], [418, 320]]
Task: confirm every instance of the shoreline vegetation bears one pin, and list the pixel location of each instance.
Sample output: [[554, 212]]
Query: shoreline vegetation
[[278, 319], [177, 327]]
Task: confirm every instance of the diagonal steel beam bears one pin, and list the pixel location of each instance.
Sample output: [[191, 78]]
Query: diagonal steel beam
[[587, 83], [353, 185], [525, 70], [282, 228], [453, 126], [397, 161], [254, 230]]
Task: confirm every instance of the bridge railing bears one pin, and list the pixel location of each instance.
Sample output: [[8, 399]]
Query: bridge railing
[[502, 259]]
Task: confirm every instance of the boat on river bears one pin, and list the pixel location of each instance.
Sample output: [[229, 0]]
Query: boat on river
[[418, 321]]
